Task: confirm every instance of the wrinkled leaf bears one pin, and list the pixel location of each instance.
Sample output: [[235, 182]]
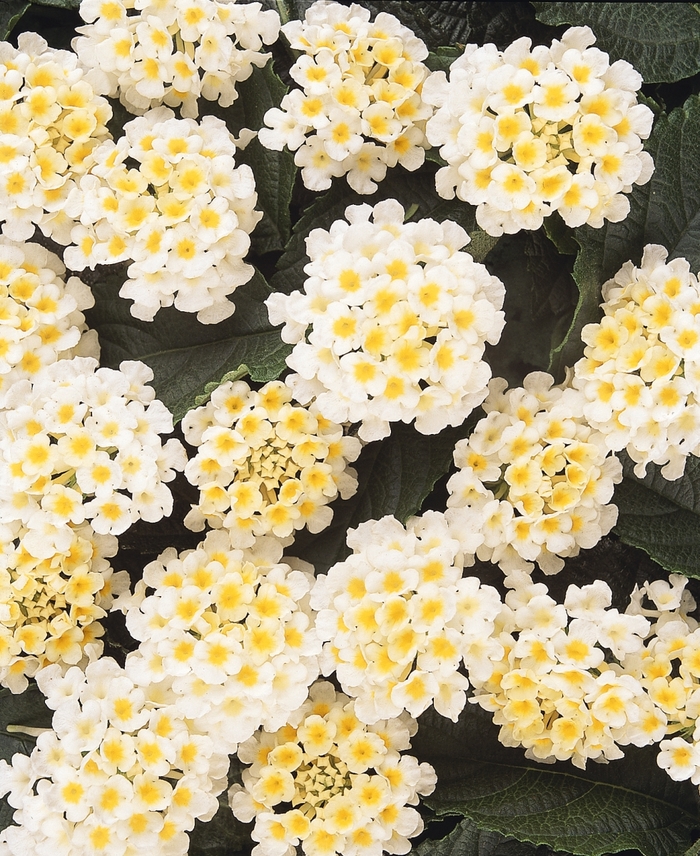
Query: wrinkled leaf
[[661, 40], [466, 839], [665, 211], [223, 835], [629, 804], [395, 475], [185, 355]]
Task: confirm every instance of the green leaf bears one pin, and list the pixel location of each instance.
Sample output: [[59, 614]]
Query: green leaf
[[27, 708], [274, 171], [395, 475], [665, 211], [694, 850], [442, 58], [10, 13], [661, 40], [630, 803], [662, 517], [223, 835], [185, 355], [466, 839], [58, 4]]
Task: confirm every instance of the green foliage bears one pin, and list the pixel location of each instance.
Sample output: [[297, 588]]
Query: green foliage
[[10, 13], [606, 809], [661, 40], [466, 839], [185, 355]]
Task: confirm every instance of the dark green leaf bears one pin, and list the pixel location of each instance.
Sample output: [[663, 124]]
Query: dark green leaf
[[274, 171], [630, 803], [466, 839], [395, 475], [665, 211], [694, 850], [184, 354], [10, 13], [442, 58], [223, 835], [29, 709], [661, 517], [661, 40], [58, 4]]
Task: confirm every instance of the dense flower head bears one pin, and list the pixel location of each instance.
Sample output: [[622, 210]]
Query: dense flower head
[[398, 620], [559, 690], [392, 323], [40, 314], [80, 443], [331, 784], [668, 667], [120, 771], [532, 130], [359, 109], [534, 481], [51, 607], [640, 372], [265, 465], [51, 120], [169, 197], [150, 52], [229, 631]]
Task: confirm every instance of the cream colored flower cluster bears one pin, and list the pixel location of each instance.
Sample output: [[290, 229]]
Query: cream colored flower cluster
[[40, 317], [122, 771], [230, 632], [264, 464], [640, 372], [668, 667], [349, 787], [51, 120], [80, 443], [51, 607], [182, 215], [532, 130], [151, 52], [392, 323], [534, 481], [558, 689], [398, 620], [359, 109]]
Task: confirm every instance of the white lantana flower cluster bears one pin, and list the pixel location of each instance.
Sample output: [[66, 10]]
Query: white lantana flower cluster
[[169, 197], [558, 690], [331, 784], [40, 315], [535, 480], [668, 667], [640, 372], [121, 771], [392, 323], [152, 52], [229, 631], [51, 120], [80, 443], [398, 620], [52, 606], [359, 109], [265, 465], [528, 131]]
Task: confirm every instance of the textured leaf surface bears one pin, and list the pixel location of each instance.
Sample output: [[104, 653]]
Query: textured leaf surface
[[395, 475], [629, 804], [58, 4], [223, 835], [184, 354], [10, 13], [661, 40], [662, 517], [466, 839], [665, 211]]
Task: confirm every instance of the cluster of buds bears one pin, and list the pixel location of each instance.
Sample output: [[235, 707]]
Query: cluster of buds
[[182, 215], [265, 465], [150, 53], [535, 480], [532, 130], [359, 110]]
